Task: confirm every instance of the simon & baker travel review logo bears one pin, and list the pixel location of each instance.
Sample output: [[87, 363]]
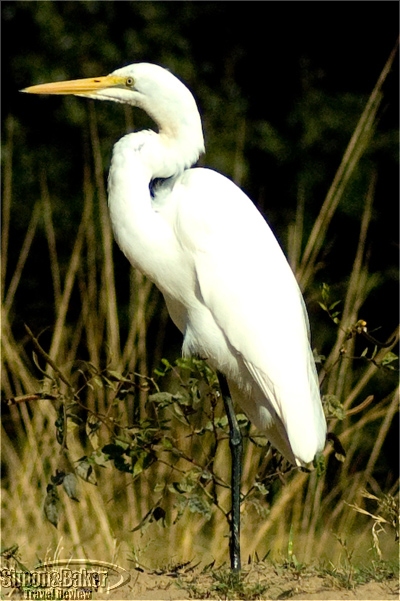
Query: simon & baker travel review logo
[[65, 579]]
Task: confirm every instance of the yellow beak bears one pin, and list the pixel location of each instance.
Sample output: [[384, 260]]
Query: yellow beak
[[78, 86]]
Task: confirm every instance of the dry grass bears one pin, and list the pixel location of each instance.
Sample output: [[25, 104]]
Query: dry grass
[[310, 506]]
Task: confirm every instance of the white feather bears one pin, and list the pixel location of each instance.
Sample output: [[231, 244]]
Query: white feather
[[226, 282]]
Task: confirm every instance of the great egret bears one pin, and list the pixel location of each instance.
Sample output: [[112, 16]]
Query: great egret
[[198, 237]]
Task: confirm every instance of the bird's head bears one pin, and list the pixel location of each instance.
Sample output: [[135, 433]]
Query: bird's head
[[150, 87]]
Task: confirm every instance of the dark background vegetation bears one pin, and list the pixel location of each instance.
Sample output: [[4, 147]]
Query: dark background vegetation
[[294, 75]]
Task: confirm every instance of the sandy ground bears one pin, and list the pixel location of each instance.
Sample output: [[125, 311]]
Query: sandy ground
[[280, 586], [263, 581]]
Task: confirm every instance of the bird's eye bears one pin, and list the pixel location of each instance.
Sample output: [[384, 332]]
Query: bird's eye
[[129, 82]]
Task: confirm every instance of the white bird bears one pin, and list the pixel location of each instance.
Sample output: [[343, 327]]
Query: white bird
[[226, 282]]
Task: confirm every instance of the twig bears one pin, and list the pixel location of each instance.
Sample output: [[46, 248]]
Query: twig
[[47, 357], [25, 398], [361, 406]]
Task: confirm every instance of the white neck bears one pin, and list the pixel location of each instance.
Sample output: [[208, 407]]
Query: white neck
[[143, 235]]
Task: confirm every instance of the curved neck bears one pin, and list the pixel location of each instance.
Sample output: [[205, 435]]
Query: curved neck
[[143, 235], [159, 155], [179, 141]]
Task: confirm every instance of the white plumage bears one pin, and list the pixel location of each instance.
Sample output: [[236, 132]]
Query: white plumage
[[198, 237]]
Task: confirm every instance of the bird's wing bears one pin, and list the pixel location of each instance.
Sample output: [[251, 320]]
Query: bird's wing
[[247, 284]]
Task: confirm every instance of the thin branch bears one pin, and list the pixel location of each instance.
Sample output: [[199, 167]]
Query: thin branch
[[26, 398], [47, 357]]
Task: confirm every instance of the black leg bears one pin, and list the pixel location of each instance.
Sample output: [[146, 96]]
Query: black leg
[[236, 446]]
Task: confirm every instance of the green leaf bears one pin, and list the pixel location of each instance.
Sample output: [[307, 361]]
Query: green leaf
[[319, 464], [260, 486], [97, 381], [163, 399], [139, 465], [159, 487], [389, 358], [242, 419], [206, 475], [73, 425], [70, 485], [84, 469], [122, 464], [113, 450], [174, 487], [317, 357], [333, 305], [116, 375], [167, 444], [200, 505], [52, 505], [167, 367], [325, 292], [333, 406], [100, 458]]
